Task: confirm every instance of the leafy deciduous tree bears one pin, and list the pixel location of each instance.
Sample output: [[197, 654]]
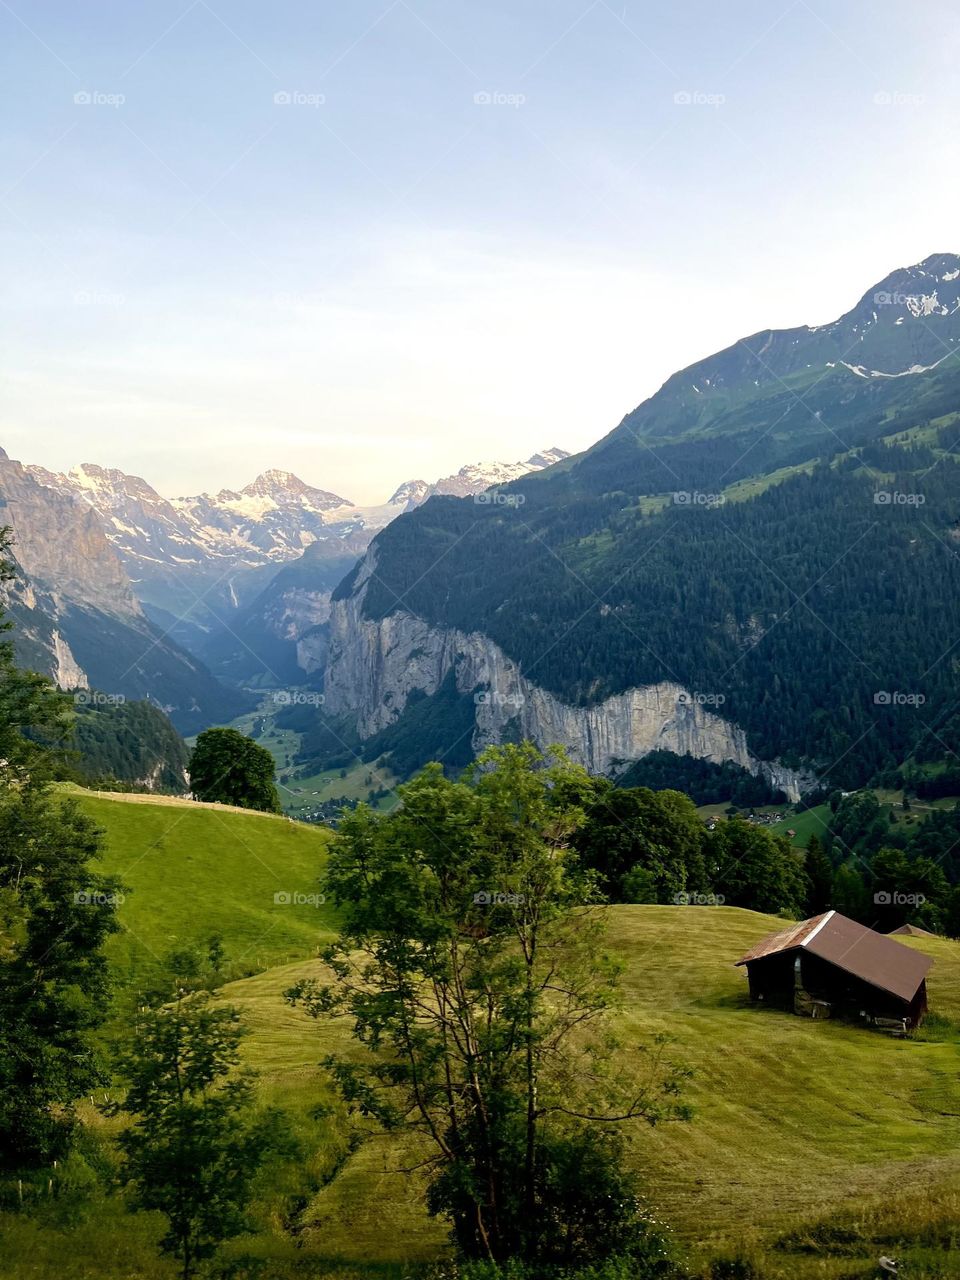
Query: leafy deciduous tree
[[195, 1143], [631, 830], [55, 914], [228, 768], [474, 974], [754, 868]]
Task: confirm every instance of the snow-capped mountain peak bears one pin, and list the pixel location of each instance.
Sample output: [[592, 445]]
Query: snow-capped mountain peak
[[475, 477], [285, 487], [410, 494], [216, 548]]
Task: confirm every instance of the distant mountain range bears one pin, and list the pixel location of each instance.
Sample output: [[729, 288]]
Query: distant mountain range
[[193, 562], [130, 591], [280, 637], [222, 547], [758, 564]]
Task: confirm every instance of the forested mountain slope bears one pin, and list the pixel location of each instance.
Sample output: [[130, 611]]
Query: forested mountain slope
[[774, 532]]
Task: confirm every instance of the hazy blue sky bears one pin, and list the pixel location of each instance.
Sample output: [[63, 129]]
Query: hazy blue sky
[[387, 275]]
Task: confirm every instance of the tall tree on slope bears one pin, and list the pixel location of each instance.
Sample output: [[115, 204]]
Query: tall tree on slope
[[473, 970], [229, 768]]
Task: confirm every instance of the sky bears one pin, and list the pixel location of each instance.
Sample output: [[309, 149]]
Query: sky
[[373, 241]]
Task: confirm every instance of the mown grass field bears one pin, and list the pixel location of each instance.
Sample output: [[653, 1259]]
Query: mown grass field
[[815, 1147], [190, 871], [796, 1122]]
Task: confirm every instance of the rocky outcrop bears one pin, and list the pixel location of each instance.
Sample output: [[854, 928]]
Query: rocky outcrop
[[76, 618], [39, 643], [374, 666], [312, 650], [66, 672], [295, 611], [60, 545]]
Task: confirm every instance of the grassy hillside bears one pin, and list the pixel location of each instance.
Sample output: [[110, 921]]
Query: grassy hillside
[[812, 822], [192, 870], [815, 1146], [797, 1122], [817, 821]]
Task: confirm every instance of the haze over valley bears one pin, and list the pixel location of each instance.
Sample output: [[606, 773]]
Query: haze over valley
[[479, 641]]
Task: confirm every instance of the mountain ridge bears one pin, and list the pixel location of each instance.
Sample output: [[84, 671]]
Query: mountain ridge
[[202, 567], [745, 553], [772, 356]]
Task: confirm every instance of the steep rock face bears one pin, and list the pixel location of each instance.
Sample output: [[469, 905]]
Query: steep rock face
[[295, 611], [61, 545], [39, 643], [312, 650], [76, 617], [373, 666], [66, 672]]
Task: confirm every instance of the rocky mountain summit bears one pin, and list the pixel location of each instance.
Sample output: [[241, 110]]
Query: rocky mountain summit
[[78, 617], [475, 477]]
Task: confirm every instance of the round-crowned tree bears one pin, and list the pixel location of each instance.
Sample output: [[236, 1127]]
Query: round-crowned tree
[[228, 768]]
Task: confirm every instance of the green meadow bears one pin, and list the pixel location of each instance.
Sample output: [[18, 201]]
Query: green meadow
[[190, 871], [815, 1146]]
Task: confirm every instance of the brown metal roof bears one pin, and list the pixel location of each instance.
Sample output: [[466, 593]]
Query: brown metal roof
[[870, 956], [784, 940]]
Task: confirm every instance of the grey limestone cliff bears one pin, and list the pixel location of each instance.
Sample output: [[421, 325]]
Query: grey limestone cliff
[[373, 666]]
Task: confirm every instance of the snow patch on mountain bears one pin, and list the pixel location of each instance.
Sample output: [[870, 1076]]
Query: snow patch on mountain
[[926, 304], [475, 477], [199, 559], [863, 372]]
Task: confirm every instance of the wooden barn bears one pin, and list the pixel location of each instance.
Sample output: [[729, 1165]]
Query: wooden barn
[[830, 965], [911, 931]]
